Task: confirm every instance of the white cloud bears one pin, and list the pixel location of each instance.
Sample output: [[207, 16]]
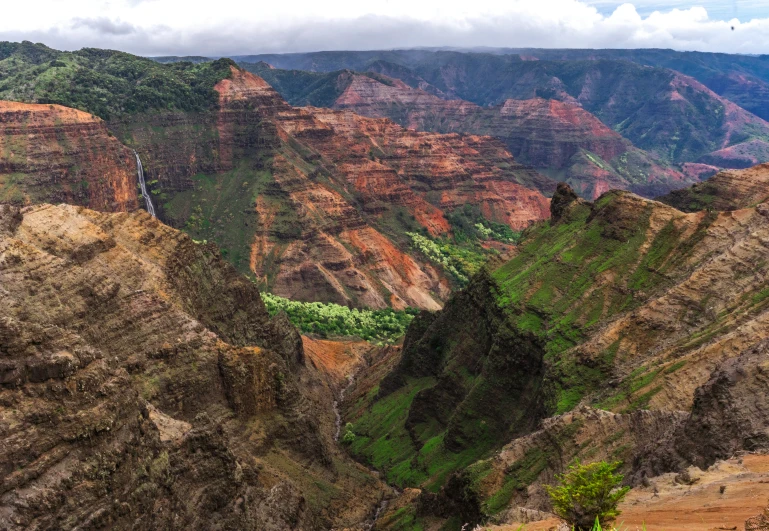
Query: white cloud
[[228, 27]]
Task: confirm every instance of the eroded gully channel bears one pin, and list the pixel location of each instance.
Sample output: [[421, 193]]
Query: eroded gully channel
[[371, 522]]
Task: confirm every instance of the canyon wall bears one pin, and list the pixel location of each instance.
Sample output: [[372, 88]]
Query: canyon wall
[[50, 153], [315, 203], [143, 383], [579, 320]]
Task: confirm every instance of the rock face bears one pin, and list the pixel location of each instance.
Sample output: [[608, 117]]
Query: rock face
[[728, 413], [143, 383], [581, 317], [52, 153], [728, 190], [316, 203], [551, 135]]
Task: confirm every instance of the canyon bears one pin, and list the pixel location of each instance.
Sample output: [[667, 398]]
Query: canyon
[[564, 315], [558, 138], [674, 117], [315, 203]]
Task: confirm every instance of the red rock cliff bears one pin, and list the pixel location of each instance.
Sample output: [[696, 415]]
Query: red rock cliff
[[50, 153]]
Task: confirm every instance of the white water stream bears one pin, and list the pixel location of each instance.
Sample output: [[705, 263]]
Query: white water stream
[[336, 407], [143, 186]]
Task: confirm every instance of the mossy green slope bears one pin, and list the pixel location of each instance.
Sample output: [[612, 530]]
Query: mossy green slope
[[558, 325]]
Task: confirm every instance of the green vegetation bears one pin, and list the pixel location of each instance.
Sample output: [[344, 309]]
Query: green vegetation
[[333, 320], [460, 262], [106, 83], [468, 224], [349, 435], [588, 495], [557, 288], [461, 255], [220, 209], [404, 519], [381, 436]]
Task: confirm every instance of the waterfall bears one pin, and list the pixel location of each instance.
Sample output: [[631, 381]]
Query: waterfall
[[143, 186]]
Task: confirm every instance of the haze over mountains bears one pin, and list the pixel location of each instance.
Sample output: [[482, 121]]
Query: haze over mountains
[[585, 231]]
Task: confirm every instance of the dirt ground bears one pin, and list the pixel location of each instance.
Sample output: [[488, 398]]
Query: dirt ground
[[698, 507]]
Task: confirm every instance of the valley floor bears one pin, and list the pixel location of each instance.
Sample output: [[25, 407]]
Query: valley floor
[[699, 507]]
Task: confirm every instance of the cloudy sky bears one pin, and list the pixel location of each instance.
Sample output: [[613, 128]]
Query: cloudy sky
[[232, 27]]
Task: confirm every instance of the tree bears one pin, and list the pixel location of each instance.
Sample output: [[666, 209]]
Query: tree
[[349, 435], [587, 493]]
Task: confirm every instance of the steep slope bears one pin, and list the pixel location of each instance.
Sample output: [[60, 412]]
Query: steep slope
[[728, 190], [581, 316], [555, 137], [316, 204], [143, 384], [50, 153]]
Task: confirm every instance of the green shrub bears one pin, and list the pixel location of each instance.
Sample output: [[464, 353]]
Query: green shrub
[[349, 435], [588, 494]]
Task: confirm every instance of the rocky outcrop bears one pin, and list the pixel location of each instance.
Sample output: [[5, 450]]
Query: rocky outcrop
[[143, 383], [728, 414], [728, 190], [549, 134], [562, 198], [52, 153]]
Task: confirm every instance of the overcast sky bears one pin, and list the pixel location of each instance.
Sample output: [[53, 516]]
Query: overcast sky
[[238, 27]]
